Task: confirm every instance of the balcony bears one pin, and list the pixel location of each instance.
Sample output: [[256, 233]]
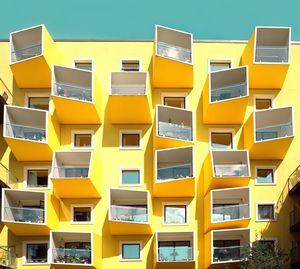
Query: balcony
[[174, 172], [269, 133], [129, 94], [295, 255], [227, 97], [295, 220], [71, 248], [268, 56], [174, 247], [32, 52], [30, 133], [74, 174], [8, 257], [172, 59], [129, 212], [294, 182], [174, 127], [73, 89], [29, 212]]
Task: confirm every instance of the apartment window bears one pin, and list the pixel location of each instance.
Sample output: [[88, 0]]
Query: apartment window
[[82, 139], [130, 139], [263, 103], [221, 140], [131, 176], [217, 66], [38, 103], [130, 65], [266, 212], [175, 214], [267, 244], [37, 178], [36, 253], [84, 64], [130, 251], [265, 175], [175, 101], [81, 213]]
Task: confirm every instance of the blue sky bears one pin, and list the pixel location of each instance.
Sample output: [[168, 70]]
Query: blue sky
[[135, 19]]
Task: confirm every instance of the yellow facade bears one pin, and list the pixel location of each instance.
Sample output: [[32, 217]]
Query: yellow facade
[[117, 114]]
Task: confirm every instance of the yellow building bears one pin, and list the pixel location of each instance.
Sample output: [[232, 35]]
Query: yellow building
[[167, 154]]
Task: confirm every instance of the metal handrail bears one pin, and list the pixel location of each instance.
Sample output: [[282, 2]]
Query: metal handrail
[[294, 178]]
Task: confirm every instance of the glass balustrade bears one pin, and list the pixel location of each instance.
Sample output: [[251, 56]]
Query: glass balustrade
[[8, 257], [128, 89], [129, 213], [170, 254], [231, 170], [25, 132], [228, 92], [230, 212], [175, 171], [295, 217], [177, 131], [223, 254], [71, 255], [272, 54], [26, 52], [174, 52], [22, 214], [70, 172], [275, 131], [73, 91]]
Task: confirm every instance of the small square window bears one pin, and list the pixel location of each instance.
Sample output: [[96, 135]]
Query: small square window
[[266, 212], [221, 140], [131, 251], [175, 214], [267, 244], [263, 103], [36, 253], [130, 140], [217, 66], [38, 103], [83, 140], [130, 65], [265, 176], [178, 102], [130, 177], [84, 65], [37, 178], [82, 214]]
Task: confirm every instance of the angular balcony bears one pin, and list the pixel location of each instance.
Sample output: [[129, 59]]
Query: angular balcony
[[129, 212], [295, 220], [74, 174], [227, 96], [174, 127], [73, 89], [8, 257], [172, 59], [295, 255], [269, 133], [32, 52], [175, 247], [294, 182], [174, 172], [228, 246], [71, 248], [129, 94], [29, 212], [30, 133], [268, 56]]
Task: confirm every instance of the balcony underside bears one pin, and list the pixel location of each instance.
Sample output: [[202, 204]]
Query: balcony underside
[[175, 188], [129, 228], [175, 265], [67, 111], [161, 142], [230, 224], [27, 229], [75, 188], [295, 190]]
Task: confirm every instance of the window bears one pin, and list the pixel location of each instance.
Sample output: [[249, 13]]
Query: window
[[219, 64], [81, 213], [175, 214], [38, 102], [130, 139], [130, 251], [130, 65], [175, 101], [37, 178], [84, 64], [167, 250], [130, 176], [266, 212], [267, 244], [82, 139], [263, 103], [265, 175], [221, 140], [225, 250], [36, 252]]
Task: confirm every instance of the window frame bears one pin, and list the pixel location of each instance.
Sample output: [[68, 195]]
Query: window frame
[[221, 61], [175, 94], [128, 243], [133, 168], [131, 59], [223, 130], [84, 60], [263, 96], [24, 253], [37, 95], [25, 176], [139, 132], [179, 203], [274, 239], [266, 167], [72, 206], [75, 132], [274, 212]]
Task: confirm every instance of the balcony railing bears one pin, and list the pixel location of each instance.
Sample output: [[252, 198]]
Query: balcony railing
[[228, 92], [73, 91], [224, 254], [129, 213], [176, 131], [174, 52], [272, 132], [230, 212], [22, 214], [294, 178], [8, 258], [172, 254], [128, 89], [175, 171], [295, 217], [26, 52], [231, 170], [25, 132], [71, 172], [272, 54], [295, 255], [71, 255]]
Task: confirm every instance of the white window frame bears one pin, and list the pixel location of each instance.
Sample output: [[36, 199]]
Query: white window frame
[[263, 96], [219, 60], [81, 222], [74, 132], [175, 203], [83, 60], [273, 167], [175, 94], [130, 242], [139, 132], [26, 168], [37, 94], [266, 203], [133, 168], [24, 254], [131, 59], [223, 130]]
